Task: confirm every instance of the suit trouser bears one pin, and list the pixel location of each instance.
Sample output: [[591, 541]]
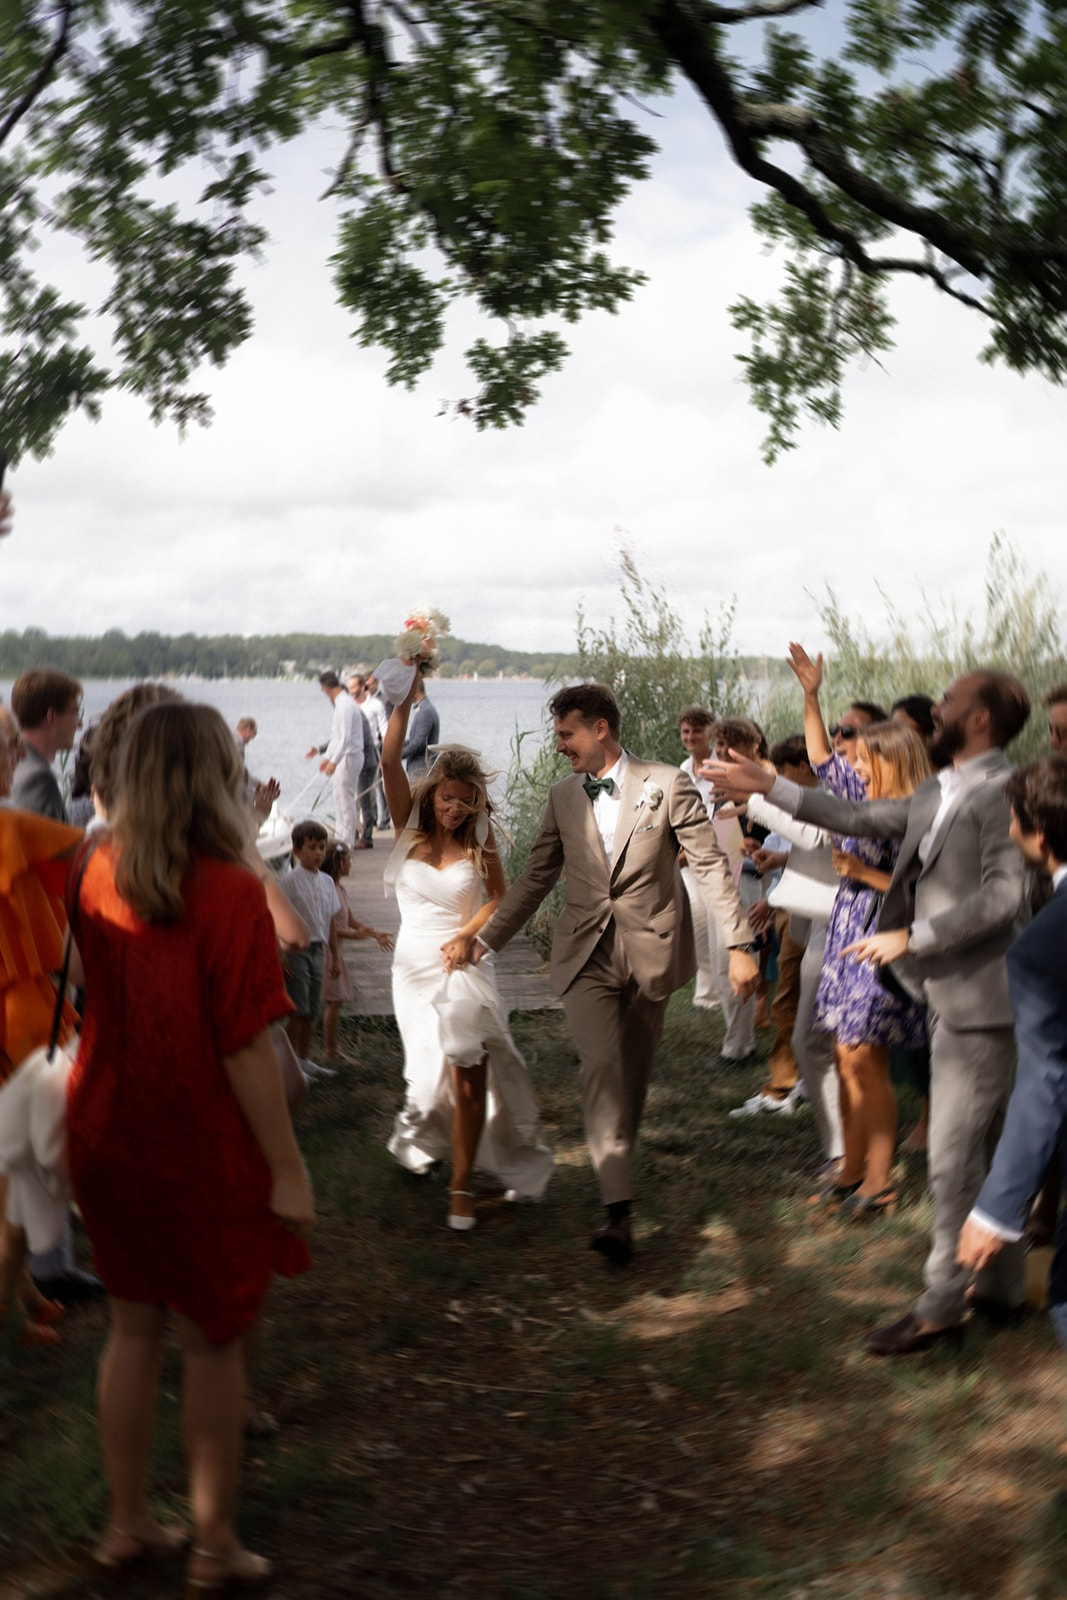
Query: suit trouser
[[739, 1015], [615, 1029], [706, 993], [345, 784], [368, 799], [970, 1080], [814, 1049], [782, 1064]]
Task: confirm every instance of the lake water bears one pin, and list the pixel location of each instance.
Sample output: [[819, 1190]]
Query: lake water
[[294, 716]]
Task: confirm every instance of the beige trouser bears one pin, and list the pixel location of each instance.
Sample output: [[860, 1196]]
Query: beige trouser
[[615, 1029]]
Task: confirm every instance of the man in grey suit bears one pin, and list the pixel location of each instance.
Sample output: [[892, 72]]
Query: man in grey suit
[[48, 706], [955, 902]]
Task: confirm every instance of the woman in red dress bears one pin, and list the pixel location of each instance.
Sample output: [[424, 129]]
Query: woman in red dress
[[182, 1154]]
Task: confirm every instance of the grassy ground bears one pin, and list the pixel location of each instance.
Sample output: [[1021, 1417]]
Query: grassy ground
[[500, 1414]]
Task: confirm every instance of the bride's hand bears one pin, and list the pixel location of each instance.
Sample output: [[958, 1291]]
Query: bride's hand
[[456, 953]]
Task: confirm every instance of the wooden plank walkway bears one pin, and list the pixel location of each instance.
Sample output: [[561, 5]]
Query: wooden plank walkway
[[522, 975]]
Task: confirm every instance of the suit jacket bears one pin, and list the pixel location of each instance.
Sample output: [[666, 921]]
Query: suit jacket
[[1037, 1111], [971, 890], [35, 787], [640, 889]]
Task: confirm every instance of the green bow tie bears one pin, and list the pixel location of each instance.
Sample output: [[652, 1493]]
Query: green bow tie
[[594, 786]]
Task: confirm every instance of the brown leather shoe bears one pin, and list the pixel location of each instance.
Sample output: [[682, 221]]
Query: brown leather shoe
[[614, 1242], [904, 1338]]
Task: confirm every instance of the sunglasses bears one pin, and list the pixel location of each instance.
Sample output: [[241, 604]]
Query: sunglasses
[[845, 729]]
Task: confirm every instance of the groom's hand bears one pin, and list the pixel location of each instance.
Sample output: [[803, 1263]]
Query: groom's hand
[[744, 974]]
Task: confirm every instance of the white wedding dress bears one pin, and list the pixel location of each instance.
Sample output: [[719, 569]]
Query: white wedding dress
[[458, 1016]]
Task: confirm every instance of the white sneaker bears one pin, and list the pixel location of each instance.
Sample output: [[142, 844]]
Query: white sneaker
[[313, 1070], [763, 1102]]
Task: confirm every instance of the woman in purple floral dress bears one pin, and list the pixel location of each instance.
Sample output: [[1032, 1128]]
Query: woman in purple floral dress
[[865, 1019]]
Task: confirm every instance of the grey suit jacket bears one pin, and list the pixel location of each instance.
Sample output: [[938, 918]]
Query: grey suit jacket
[[971, 890], [36, 788], [640, 889]]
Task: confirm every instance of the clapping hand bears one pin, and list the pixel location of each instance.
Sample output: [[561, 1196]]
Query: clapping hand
[[847, 865], [765, 860], [737, 778], [264, 796], [880, 949], [809, 672]]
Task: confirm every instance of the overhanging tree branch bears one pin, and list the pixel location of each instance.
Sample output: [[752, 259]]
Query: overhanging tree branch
[[44, 74]]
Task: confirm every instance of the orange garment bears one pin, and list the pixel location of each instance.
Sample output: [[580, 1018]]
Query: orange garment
[[35, 855]]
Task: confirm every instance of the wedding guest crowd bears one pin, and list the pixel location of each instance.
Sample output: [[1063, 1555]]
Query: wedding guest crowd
[[871, 873]]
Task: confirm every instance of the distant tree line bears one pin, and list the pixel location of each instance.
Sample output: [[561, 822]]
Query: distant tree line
[[155, 655]]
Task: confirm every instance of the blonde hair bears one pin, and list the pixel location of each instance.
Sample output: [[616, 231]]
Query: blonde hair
[[899, 762], [179, 788], [454, 763]]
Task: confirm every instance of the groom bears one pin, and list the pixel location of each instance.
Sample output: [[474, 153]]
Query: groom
[[624, 940]]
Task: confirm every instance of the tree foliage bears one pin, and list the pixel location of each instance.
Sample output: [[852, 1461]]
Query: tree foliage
[[654, 671], [483, 147], [920, 651]]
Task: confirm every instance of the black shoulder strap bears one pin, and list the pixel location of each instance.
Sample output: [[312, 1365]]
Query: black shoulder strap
[[57, 1015]]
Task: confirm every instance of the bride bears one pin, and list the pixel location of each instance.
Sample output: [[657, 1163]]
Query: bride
[[467, 1090]]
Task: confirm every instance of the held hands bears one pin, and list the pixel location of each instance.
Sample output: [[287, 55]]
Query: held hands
[[292, 1201], [977, 1246], [457, 951], [809, 672], [880, 949], [744, 974]]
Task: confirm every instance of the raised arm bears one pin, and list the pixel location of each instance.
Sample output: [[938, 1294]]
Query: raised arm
[[809, 676], [395, 779]]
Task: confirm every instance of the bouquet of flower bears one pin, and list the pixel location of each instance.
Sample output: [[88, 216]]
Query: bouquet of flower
[[417, 645]]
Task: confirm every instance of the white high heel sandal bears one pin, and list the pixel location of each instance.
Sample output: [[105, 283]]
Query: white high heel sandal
[[462, 1224]]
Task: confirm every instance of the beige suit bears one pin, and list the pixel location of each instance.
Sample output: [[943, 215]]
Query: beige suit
[[624, 939]]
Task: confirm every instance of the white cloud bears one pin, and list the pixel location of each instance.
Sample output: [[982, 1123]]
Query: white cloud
[[321, 499]]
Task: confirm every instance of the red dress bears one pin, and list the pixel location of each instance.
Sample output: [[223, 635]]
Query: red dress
[[172, 1185]]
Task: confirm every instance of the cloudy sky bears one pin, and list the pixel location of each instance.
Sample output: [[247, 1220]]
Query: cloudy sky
[[321, 499]]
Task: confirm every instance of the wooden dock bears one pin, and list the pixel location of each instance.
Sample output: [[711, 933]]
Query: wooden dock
[[522, 974]]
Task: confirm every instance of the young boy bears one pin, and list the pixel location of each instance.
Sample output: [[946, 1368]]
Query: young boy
[[313, 895], [1037, 1111]]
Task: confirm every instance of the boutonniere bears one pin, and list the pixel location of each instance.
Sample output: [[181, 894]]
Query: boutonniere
[[651, 796]]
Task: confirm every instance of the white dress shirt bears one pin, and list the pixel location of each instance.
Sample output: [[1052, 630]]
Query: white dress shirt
[[346, 732], [606, 807]]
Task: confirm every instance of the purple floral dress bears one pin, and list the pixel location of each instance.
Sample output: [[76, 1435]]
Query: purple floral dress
[[851, 1003]]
